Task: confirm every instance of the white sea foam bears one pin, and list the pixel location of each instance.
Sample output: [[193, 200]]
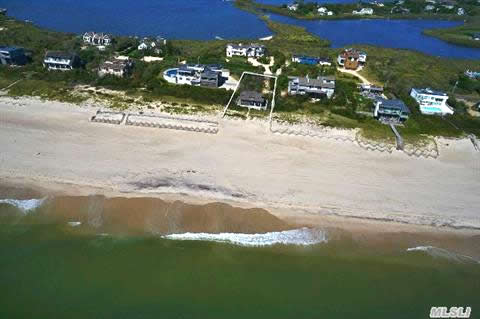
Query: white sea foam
[[301, 237], [440, 252], [25, 205], [74, 224]]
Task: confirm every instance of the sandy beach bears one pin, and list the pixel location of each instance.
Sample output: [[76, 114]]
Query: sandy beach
[[55, 146]]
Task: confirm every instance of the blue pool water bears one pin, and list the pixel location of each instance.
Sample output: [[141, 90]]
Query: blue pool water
[[172, 72], [207, 19]]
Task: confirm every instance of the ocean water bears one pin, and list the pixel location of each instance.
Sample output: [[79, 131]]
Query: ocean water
[[50, 268], [207, 19]]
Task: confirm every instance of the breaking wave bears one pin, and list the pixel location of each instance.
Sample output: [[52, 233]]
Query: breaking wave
[[25, 205], [440, 252], [300, 237]]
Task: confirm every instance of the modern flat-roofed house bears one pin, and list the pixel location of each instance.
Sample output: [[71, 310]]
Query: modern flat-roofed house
[[116, 67], [363, 11], [211, 75], [302, 59], [98, 39], [323, 86], [252, 99], [64, 61], [248, 50], [12, 56], [431, 101], [368, 88], [351, 59], [476, 36], [391, 110], [209, 78]]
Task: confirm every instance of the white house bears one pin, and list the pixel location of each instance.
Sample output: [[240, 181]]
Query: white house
[[250, 50], [293, 7], [431, 102], [429, 7], [98, 39], [152, 44], [324, 11], [55, 60], [363, 11], [323, 86], [476, 36], [461, 11]]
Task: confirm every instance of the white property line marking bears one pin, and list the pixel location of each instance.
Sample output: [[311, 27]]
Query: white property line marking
[[238, 85]]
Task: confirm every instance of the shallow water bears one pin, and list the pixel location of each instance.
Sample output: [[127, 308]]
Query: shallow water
[[400, 34], [63, 271]]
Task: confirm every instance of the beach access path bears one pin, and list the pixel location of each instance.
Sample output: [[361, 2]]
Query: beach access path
[[50, 142]]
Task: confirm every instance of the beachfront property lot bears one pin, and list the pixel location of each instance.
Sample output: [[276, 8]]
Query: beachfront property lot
[[254, 97]]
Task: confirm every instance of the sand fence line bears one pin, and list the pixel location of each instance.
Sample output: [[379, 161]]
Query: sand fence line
[[429, 150], [185, 123]]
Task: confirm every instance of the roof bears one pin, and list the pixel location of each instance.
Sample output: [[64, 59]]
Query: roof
[[476, 35], [246, 46], [9, 49], [430, 91], [59, 54], [209, 74], [252, 95], [115, 65], [318, 82], [394, 104]]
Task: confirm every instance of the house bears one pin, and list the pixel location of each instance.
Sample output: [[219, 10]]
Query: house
[[252, 99], [391, 110], [116, 67], [431, 102], [351, 59], [476, 36], [363, 11], [212, 75], [324, 11], [429, 7], [302, 59], [57, 60], [97, 39], [472, 74], [210, 78], [3, 11], [461, 11], [250, 50], [370, 90], [293, 7], [152, 44], [323, 86], [12, 56]]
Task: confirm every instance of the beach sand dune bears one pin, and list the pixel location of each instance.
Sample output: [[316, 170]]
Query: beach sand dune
[[50, 143]]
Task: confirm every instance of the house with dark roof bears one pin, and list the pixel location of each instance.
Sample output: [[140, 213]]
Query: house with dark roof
[[252, 99], [210, 78], [476, 36], [391, 110], [323, 86], [57, 60], [309, 60], [12, 56]]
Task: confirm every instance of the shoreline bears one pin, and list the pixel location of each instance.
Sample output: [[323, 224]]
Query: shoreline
[[53, 147]]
